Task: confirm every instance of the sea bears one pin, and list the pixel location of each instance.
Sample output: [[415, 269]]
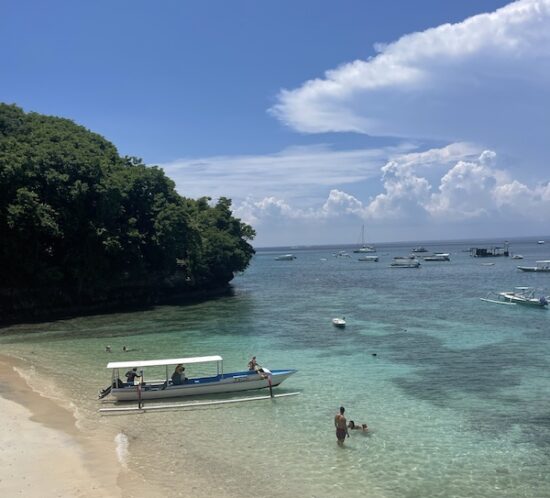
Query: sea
[[455, 390]]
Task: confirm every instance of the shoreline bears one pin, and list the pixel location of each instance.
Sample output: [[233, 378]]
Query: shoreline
[[45, 313], [44, 454]]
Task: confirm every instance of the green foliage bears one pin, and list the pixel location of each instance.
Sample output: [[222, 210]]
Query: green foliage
[[77, 216]]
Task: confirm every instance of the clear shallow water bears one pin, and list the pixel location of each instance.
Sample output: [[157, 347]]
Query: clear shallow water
[[457, 396]]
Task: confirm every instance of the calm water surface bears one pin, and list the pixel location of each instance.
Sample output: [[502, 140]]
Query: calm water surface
[[456, 391]]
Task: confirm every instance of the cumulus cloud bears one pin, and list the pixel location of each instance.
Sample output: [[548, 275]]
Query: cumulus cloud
[[470, 188], [483, 80]]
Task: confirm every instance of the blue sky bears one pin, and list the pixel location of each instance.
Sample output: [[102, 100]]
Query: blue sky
[[420, 120]]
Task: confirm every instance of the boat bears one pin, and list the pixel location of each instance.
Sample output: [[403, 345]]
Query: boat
[[339, 322], [517, 256], [540, 242], [364, 247], [487, 264], [525, 296], [542, 266], [341, 254], [420, 249], [438, 256], [372, 259], [285, 257], [405, 262], [218, 383]]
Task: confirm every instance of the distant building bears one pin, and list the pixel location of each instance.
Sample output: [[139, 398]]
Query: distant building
[[489, 252]]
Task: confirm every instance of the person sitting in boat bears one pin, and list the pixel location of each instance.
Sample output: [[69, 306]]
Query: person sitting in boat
[[253, 364], [357, 427], [131, 375], [178, 377]]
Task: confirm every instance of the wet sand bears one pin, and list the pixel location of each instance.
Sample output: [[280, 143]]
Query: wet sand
[[43, 454]]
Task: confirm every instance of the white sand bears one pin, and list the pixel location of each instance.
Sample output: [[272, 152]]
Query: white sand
[[37, 461], [44, 455]]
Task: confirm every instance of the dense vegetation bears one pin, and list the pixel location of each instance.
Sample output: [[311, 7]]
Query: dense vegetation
[[80, 225]]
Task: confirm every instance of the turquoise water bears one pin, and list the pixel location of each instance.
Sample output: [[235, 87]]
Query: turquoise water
[[455, 390]]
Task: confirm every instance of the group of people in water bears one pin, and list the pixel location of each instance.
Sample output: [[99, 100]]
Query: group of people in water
[[343, 427]]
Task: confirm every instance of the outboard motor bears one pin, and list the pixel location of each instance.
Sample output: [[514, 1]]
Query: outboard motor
[[543, 301]]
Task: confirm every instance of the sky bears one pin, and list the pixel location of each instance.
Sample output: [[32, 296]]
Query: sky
[[424, 120]]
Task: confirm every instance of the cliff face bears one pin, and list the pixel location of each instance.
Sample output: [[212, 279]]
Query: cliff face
[[82, 227]]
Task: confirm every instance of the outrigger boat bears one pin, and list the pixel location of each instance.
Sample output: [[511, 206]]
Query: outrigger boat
[[143, 389], [521, 295], [542, 266]]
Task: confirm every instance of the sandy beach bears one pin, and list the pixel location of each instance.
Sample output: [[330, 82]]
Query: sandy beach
[[43, 454]]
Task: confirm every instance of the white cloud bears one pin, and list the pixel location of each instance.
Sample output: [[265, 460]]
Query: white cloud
[[469, 188], [301, 174], [484, 80]]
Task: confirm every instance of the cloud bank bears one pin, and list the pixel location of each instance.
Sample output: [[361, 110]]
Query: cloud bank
[[473, 189], [483, 80]]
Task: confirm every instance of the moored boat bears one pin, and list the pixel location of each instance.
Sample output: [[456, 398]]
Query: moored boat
[[542, 266], [339, 322], [218, 383], [525, 296], [405, 262], [285, 257], [438, 256], [372, 259]]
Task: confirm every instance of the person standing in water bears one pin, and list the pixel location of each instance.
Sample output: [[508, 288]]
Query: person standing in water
[[341, 425]]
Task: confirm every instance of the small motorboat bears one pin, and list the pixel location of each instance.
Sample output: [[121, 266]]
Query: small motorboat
[[339, 322], [405, 262], [438, 256], [517, 256], [285, 257], [372, 259]]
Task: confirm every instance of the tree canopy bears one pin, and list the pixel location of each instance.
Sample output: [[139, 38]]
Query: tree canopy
[[77, 217]]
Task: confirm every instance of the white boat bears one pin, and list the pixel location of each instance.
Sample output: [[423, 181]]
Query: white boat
[[144, 388], [420, 249], [542, 266], [517, 256], [540, 241], [438, 256], [520, 295], [285, 257], [365, 248], [405, 262], [372, 259], [339, 322]]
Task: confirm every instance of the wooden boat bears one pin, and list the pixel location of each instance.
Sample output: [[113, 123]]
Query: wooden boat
[[520, 295], [542, 266], [339, 322], [142, 388]]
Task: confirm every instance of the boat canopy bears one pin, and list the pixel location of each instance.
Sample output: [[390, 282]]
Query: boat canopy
[[159, 363], [544, 261]]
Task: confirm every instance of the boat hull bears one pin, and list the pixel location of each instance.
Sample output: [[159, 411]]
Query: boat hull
[[228, 383]]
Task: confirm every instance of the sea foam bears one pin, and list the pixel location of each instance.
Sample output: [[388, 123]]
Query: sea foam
[[122, 444]]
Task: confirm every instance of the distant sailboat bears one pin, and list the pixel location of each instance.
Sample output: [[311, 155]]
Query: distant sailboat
[[364, 247]]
